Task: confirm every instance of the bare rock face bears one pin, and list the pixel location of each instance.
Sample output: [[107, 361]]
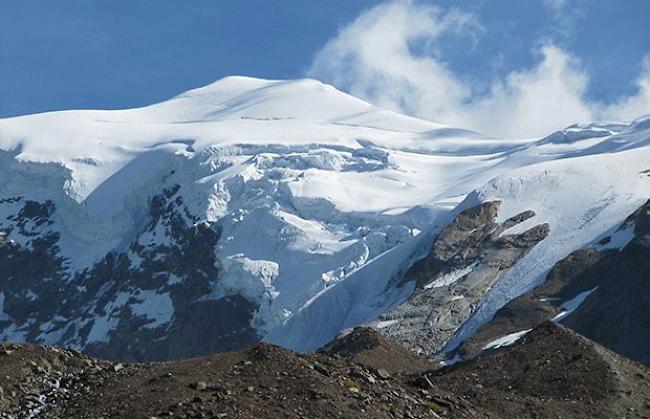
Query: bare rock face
[[603, 292], [151, 301], [31, 274], [465, 260]]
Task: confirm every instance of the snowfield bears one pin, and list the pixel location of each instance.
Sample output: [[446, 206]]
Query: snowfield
[[321, 199]]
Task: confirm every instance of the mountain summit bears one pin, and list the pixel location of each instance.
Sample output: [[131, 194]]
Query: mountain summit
[[287, 211]]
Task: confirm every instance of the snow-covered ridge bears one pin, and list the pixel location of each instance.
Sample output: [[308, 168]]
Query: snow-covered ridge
[[100, 167], [320, 199]]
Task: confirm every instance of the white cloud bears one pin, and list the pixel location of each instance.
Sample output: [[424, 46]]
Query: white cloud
[[374, 58], [636, 105], [555, 5], [533, 102]]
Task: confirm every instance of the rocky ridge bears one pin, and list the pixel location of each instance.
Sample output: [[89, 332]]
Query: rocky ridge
[[550, 373], [466, 259], [599, 291], [107, 308]]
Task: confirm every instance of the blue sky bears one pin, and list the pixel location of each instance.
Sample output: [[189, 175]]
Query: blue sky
[[68, 54]]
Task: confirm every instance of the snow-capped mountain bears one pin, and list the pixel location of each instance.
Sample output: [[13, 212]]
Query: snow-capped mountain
[[278, 210]]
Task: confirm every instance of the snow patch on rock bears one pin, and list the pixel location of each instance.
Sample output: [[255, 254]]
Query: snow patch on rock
[[506, 340]]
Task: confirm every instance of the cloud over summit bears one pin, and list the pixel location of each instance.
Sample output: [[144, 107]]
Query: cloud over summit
[[389, 55]]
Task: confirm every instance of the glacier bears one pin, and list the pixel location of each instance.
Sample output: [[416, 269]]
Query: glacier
[[320, 202]]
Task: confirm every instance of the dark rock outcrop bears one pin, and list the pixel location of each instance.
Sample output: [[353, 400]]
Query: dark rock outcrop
[[610, 286], [466, 259], [147, 302]]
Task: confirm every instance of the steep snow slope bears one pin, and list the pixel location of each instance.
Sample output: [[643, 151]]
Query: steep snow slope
[[315, 200], [583, 196], [582, 187]]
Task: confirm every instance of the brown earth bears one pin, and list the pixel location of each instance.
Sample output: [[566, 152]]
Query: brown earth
[[552, 372]]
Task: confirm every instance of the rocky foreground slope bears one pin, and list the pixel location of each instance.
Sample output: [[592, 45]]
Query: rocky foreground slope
[[552, 372]]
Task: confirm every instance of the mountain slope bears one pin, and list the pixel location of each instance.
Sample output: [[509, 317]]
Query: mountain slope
[[550, 373], [278, 210], [579, 189], [599, 291]]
